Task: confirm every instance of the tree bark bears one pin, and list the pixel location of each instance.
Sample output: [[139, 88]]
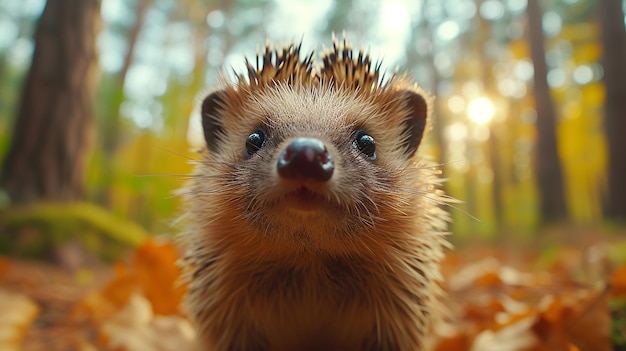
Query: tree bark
[[613, 37], [548, 164], [53, 130]]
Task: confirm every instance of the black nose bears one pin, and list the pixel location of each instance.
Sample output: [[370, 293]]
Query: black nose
[[306, 158]]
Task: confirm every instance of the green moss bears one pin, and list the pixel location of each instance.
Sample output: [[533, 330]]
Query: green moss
[[37, 229], [617, 252]]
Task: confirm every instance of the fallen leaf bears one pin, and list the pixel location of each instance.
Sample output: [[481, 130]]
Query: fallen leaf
[[18, 313], [618, 282], [575, 320], [590, 329], [157, 273], [483, 314], [515, 337], [460, 341], [4, 266], [152, 273], [136, 328]]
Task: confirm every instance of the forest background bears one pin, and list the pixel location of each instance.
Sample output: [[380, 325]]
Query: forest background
[[523, 118], [97, 102]]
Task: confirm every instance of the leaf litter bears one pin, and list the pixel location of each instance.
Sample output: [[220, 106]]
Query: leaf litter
[[491, 305]]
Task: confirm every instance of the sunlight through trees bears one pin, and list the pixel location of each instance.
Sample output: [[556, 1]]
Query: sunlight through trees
[[474, 56]]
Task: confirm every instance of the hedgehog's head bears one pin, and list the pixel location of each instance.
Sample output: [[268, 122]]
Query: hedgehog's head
[[315, 150]]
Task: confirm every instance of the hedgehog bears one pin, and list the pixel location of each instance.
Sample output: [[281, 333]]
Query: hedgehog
[[312, 221]]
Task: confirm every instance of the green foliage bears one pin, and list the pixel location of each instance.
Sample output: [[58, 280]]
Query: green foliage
[[37, 229], [618, 324], [10, 88]]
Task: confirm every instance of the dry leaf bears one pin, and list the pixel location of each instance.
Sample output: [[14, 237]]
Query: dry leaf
[[157, 273], [136, 328], [590, 329], [467, 277], [18, 313], [483, 314], [4, 266], [152, 273], [618, 282], [460, 341], [515, 337], [575, 321]]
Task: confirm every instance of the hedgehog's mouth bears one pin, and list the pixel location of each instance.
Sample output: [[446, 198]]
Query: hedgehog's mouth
[[305, 199]]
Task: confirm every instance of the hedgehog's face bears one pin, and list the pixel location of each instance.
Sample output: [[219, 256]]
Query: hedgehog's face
[[316, 163]]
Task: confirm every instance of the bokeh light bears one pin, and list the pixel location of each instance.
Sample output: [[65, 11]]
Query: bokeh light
[[481, 110]]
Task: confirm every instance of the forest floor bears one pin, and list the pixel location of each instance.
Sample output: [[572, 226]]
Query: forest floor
[[499, 297]]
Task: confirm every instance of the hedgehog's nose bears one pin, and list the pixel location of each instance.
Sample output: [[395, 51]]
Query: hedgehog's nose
[[306, 158]]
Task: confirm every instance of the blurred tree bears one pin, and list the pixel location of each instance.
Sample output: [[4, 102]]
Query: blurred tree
[[548, 165], [338, 20], [52, 134], [421, 31], [21, 18], [112, 120], [613, 36], [486, 73]]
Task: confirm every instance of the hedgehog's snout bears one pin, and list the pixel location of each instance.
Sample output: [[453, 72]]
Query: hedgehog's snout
[[306, 159]]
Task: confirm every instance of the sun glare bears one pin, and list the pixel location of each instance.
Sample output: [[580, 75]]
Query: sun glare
[[481, 110], [395, 16]]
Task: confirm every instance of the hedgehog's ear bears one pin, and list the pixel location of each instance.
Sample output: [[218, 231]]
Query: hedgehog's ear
[[415, 122], [211, 113]]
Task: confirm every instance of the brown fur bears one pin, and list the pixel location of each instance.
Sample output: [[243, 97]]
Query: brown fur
[[359, 274]]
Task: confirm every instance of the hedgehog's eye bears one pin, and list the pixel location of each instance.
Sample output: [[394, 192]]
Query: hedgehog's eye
[[255, 141], [366, 144]]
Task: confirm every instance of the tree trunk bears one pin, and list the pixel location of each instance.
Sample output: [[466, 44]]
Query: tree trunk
[[46, 160], [613, 37], [548, 164]]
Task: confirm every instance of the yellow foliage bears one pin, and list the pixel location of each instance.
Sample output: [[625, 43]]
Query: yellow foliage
[[583, 156], [589, 52], [593, 95], [520, 49], [579, 32]]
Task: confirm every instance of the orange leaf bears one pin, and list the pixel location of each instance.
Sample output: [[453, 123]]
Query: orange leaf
[[507, 320], [5, 265], [489, 279], [103, 304], [557, 311], [590, 329], [157, 274], [458, 342], [483, 314], [152, 273], [548, 327], [119, 289], [618, 282], [574, 321]]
